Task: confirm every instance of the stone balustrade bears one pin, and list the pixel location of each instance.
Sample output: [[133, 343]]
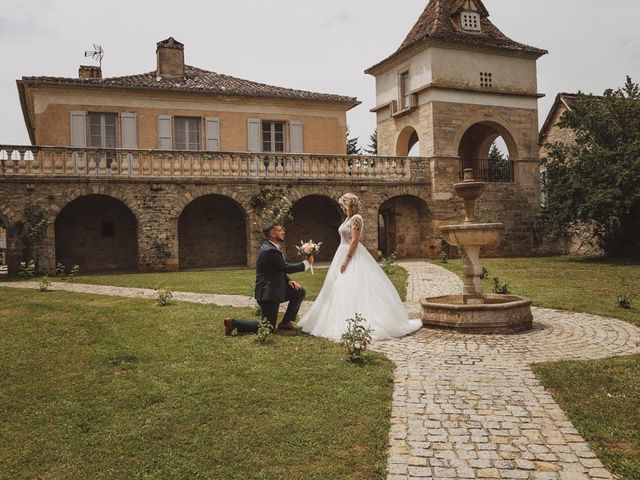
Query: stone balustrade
[[38, 161]]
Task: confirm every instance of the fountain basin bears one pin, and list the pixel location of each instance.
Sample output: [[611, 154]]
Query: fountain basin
[[500, 314], [473, 234]]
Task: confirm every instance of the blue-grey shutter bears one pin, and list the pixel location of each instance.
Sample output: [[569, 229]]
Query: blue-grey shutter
[[253, 135], [165, 132], [296, 135], [129, 126], [212, 127], [78, 128]]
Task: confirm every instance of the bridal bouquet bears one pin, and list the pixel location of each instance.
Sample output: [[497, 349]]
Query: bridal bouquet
[[309, 248]]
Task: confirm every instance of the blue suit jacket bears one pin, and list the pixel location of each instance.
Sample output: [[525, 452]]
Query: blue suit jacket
[[271, 274]]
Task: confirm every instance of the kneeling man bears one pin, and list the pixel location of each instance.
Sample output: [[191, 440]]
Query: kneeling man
[[273, 285]]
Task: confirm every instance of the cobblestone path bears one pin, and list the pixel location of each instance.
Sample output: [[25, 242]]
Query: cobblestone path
[[469, 406]]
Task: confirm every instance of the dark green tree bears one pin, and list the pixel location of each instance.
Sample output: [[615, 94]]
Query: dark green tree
[[352, 145], [372, 148], [498, 165], [596, 181]]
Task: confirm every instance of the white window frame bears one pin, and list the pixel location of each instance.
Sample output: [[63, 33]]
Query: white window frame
[[405, 90], [470, 21], [272, 140], [187, 131], [103, 129]]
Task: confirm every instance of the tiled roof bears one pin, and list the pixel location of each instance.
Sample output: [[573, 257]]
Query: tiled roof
[[439, 22], [566, 99], [195, 80]]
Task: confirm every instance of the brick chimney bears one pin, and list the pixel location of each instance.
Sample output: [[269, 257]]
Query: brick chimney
[[170, 54], [89, 72]]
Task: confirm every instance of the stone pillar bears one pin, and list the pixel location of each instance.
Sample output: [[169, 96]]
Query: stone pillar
[[527, 175], [46, 253], [13, 251], [158, 242], [445, 171], [369, 212]]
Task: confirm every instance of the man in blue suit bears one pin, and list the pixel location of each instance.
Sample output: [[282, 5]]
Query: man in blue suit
[[273, 285]]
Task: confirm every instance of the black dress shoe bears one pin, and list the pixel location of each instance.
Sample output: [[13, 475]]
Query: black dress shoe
[[288, 326], [228, 326]]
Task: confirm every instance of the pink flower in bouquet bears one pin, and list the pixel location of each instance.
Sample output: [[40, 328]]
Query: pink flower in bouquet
[[309, 248]]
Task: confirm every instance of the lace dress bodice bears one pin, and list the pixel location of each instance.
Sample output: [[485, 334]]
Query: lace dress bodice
[[345, 229]]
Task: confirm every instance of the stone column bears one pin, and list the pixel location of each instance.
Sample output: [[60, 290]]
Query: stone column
[[445, 171], [46, 253], [158, 245]]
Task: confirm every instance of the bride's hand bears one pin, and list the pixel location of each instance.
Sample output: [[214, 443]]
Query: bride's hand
[[343, 267]]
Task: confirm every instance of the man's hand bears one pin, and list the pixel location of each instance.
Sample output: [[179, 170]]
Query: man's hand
[[295, 285], [310, 259]]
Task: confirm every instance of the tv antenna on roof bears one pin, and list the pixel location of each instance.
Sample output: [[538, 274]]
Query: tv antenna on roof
[[97, 53]]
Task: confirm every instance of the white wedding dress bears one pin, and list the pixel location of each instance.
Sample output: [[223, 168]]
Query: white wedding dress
[[363, 288]]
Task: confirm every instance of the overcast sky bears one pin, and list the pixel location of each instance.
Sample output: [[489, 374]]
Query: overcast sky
[[320, 46]]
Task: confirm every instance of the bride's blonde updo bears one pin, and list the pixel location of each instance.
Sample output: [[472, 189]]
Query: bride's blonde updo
[[351, 202]]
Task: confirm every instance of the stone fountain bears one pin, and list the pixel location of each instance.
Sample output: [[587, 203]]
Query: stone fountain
[[475, 311]]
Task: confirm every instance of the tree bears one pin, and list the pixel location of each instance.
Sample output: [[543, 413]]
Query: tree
[[595, 181], [352, 145], [372, 148], [498, 165]]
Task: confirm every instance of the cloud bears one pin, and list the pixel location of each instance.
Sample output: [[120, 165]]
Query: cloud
[[339, 19]]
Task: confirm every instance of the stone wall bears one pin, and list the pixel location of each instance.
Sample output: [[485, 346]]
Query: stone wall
[[228, 229], [213, 231]]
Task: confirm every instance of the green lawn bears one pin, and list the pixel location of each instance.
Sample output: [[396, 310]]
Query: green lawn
[[568, 283], [230, 282], [602, 398], [116, 388]]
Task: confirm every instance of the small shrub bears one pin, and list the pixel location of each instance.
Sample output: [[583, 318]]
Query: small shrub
[[389, 264], [444, 258], [163, 296], [264, 330], [499, 287], [357, 338], [45, 284], [60, 270], [623, 301], [62, 274], [484, 274], [27, 269]]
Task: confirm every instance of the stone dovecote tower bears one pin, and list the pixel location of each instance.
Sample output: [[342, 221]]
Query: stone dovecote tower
[[455, 85]]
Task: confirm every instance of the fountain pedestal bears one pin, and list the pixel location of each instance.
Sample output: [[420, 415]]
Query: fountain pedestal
[[474, 311]]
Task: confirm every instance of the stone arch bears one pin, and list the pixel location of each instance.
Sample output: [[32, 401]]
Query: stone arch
[[405, 227], [97, 232], [473, 149], [407, 138], [315, 217], [212, 233]]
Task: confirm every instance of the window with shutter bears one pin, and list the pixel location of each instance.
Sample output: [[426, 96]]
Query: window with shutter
[[78, 128], [273, 136], [165, 132], [129, 129], [187, 133], [103, 128], [296, 136], [254, 135], [212, 128]]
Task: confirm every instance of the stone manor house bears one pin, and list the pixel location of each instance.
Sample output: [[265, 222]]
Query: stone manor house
[[166, 169]]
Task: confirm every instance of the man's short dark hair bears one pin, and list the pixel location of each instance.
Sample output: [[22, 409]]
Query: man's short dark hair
[[267, 229]]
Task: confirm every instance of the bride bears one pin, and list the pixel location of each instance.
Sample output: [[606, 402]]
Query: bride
[[354, 284]]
